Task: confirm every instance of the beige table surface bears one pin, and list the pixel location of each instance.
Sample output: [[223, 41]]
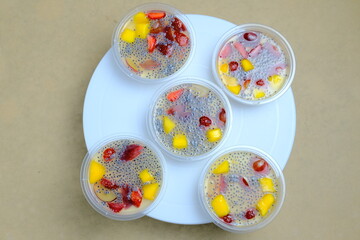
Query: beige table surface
[[48, 52]]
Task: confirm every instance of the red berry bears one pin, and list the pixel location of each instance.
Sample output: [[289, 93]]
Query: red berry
[[228, 218], [233, 66], [222, 115], [136, 198], [249, 214], [156, 15], [109, 154], [151, 43], [205, 121], [156, 27], [181, 39], [168, 33], [116, 207], [131, 152], [260, 165], [246, 83], [175, 95], [260, 82], [108, 184], [250, 36], [165, 49], [126, 196], [245, 181], [178, 25]]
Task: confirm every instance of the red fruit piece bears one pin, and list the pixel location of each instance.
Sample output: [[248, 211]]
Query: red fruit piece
[[136, 198], [175, 95], [130, 66], [149, 64], [131, 152], [109, 154], [156, 27], [244, 181], [156, 15], [241, 49], [222, 185], [181, 39], [222, 115], [228, 218], [165, 49], [205, 121], [260, 165], [250, 36], [108, 184], [260, 82], [233, 66], [255, 51], [168, 33], [249, 214], [151, 43], [178, 25], [116, 207], [125, 192], [246, 83], [225, 51]]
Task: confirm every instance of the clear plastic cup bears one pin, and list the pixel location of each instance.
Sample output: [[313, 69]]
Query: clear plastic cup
[[241, 188], [154, 61], [199, 102], [253, 69], [107, 196]]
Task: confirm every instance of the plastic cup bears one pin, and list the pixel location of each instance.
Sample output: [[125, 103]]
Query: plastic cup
[[161, 63], [199, 98], [237, 191], [101, 195], [266, 61]]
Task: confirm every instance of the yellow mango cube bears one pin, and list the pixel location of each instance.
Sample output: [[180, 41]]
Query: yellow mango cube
[[276, 81], [224, 68], [267, 184], [145, 176], [142, 30], [229, 81], [168, 124], [180, 141], [150, 191], [224, 167], [265, 203], [96, 171], [234, 89], [128, 35], [258, 93], [140, 17], [246, 65], [220, 206], [214, 135]]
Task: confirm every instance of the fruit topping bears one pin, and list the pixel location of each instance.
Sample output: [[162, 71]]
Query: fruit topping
[[260, 82], [156, 27], [220, 206], [116, 207], [246, 65], [145, 176], [246, 83], [249, 214], [175, 95], [233, 66], [265, 203], [180, 141], [222, 115], [103, 193], [136, 198], [156, 15], [140, 17], [131, 152], [168, 33], [260, 165], [96, 171], [225, 51], [108, 184], [128, 35], [142, 30], [131, 64], [109, 154], [224, 68], [151, 40], [181, 39], [250, 36], [149, 64], [214, 135], [168, 124], [224, 167], [178, 25], [234, 89], [244, 181], [241, 49], [267, 185], [258, 93], [228, 218], [255, 51], [205, 121], [165, 49], [150, 191]]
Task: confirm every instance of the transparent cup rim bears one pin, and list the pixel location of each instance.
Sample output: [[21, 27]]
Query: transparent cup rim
[[190, 80], [279, 201], [273, 33], [92, 199], [153, 6]]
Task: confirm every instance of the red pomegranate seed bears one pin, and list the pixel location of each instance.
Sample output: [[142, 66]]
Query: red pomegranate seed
[[233, 65], [260, 82], [205, 121], [249, 214]]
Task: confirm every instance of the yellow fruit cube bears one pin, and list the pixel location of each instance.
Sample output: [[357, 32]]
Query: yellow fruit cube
[[96, 171], [220, 206], [258, 93], [229, 81], [224, 167], [128, 35], [224, 68], [276, 81], [145, 176], [246, 65], [150, 191], [142, 30], [234, 89], [214, 135], [267, 185], [168, 124], [265, 203], [180, 141], [140, 17]]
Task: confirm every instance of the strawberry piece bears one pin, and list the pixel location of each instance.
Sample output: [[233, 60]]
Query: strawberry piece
[[168, 33], [233, 66], [125, 192], [156, 15], [171, 111], [165, 49], [109, 154], [108, 184], [149, 64], [250, 36], [205, 121], [225, 51], [181, 39], [249, 214], [228, 218], [178, 25], [136, 198], [241, 49], [116, 207], [175, 95], [222, 115], [131, 152], [151, 40], [246, 83], [255, 51], [260, 82], [156, 27]]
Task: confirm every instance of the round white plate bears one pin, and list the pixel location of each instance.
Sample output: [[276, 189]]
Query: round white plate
[[116, 104]]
